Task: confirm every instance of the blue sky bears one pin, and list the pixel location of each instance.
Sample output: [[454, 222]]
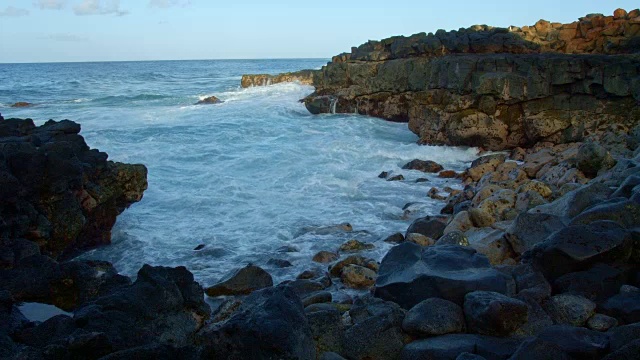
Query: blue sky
[[108, 30]]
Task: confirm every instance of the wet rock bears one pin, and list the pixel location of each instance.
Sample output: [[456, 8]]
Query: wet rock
[[358, 277], [324, 257], [625, 307], [426, 166], [599, 322], [568, 309], [199, 247], [592, 158], [430, 226], [453, 238], [270, 322], [419, 239], [576, 247], [279, 263], [433, 317], [492, 244], [410, 273], [241, 282], [450, 346], [422, 180], [396, 238], [529, 229], [484, 165], [209, 100], [325, 230], [396, 178], [434, 194], [318, 297], [491, 313], [336, 269], [461, 223], [21, 104], [448, 174], [354, 245]]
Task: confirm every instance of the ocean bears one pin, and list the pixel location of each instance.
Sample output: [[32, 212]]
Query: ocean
[[247, 178]]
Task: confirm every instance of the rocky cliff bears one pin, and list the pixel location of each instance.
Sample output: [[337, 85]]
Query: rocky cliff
[[56, 191], [494, 87], [303, 76]]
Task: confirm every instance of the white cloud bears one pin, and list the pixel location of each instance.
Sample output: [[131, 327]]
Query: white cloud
[[14, 12], [66, 37], [50, 4], [168, 3], [99, 7]]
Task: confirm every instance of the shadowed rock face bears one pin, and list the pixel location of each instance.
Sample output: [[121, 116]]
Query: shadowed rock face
[[56, 191], [303, 76], [492, 87]]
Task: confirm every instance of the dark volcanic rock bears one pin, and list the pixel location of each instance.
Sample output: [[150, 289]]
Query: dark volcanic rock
[[59, 193], [410, 274], [577, 342], [529, 229], [270, 324], [624, 212], [449, 347], [577, 247], [598, 283], [241, 282], [327, 328], [567, 309], [429, 226], [576, 201], [426, 166], [491, 313], [624, 307], [434, 317]]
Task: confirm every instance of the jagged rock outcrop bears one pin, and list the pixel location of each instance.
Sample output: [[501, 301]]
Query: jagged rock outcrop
[[303, 76], [56, 191], [494, 87]]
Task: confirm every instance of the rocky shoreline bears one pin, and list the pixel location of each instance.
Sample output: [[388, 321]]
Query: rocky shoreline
[[538, 256]]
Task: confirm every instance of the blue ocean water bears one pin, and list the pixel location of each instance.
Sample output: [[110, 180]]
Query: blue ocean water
[[244, 177]]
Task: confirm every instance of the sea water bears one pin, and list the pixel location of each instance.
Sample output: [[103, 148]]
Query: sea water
[[247, 178]]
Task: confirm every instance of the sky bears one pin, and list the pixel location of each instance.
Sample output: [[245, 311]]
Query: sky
[[122, 30]]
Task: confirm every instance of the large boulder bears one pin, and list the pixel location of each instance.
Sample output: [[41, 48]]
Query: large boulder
[[577, 247], [491, 313], [426, 166], [241, 282], [624, 212], [429, 226], [434, 316], [575, 342], [576, 201], [410, 274], [529, 229], [269, 324], [593, 157], [572, 310]]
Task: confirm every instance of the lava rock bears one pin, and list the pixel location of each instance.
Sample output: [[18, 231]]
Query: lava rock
[[491, 313], [410, 273], [622, 211], [433, 317], [336, 269], [241, 282], [529, 229], [576, 201], [567, 309]]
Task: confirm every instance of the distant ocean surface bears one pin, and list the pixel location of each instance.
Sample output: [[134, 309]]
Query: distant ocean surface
[[245, 177]]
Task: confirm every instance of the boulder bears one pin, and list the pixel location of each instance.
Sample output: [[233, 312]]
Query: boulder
[[461, 222], [624, 212], [396, 178], [453, 238], [433, 316], [597, 283], [396, 238], [450, 346], [426, 166], [626, 188], [625, 307], [599, 322], [529, 229], [492, 244], [336, 269], [327, 328], [592, 157], [354, 245], [324, 257], [269, 324], [358, 277], [576, 342], [567, 309], [577, 247], [576, 201], [491, 313], [420, 239], [430, 226], [241, 282], [410, 274], [376, 332]]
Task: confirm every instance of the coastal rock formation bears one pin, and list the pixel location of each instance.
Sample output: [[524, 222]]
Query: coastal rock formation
[[303, 77], [496, 88], [209, 100], [56, 191]]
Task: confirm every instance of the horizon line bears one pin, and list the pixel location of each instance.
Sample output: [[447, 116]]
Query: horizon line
[[114, 61]]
